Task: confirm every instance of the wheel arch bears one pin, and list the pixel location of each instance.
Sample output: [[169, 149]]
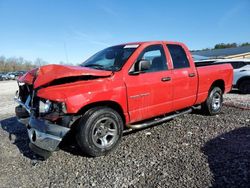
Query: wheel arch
[[111, 104], [218, 83]]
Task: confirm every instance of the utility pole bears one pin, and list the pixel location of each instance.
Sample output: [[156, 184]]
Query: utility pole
[[66, 53]]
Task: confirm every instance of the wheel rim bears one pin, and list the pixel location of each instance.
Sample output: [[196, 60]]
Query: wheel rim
[[105, 132], [216, 101]]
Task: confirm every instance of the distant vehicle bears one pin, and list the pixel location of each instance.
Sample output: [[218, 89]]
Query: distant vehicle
[[1, 77], [4, 76], [241, 68], [20, 73], [11, 76], [241, 73]]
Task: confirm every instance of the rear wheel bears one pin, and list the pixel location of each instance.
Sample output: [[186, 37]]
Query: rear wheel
[[244, 87], [213, 104], [99, 131]]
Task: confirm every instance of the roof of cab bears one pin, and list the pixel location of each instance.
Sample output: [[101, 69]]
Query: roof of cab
[[151, 42]]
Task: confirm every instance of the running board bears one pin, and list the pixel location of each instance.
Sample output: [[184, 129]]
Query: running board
[[156, 121]]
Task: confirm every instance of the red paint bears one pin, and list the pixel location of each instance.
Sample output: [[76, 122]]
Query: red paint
[[49, 73], [155, 97], [28, 77]]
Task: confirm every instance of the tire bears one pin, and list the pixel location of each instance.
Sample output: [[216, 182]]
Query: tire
[[99, 131], [244, 87], [213, 104]]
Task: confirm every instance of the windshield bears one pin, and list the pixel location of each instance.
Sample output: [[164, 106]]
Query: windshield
[[112, 58]]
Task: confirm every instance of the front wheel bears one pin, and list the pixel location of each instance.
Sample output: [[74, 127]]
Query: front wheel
[[213, 104], [99, 131]]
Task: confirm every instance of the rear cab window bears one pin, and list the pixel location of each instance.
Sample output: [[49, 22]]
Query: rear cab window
[[179, 56]]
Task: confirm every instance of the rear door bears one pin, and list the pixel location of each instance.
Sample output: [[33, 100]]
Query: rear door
[[150, 93], [184, 78]]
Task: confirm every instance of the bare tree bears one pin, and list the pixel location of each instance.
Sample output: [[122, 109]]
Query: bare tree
[[39, 62], [15, 64]]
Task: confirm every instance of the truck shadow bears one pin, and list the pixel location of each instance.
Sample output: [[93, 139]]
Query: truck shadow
[[70, 145], [229, 158], [18, 135]]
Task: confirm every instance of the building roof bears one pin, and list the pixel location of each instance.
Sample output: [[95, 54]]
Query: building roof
[[223, 52]]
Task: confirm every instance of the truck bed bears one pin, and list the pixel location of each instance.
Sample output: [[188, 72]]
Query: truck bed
[[208, 74]]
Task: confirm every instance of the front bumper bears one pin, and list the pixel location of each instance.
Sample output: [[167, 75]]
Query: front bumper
[[42, 133]]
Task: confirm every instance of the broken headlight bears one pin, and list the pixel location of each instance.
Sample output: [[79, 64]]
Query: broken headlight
[[47, 106]]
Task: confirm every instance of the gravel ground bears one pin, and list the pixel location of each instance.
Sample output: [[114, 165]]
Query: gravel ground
[[234, 99], [189, 151]]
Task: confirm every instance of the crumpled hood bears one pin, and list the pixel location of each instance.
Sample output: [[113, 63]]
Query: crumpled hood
[[28, 77], [49, 73]]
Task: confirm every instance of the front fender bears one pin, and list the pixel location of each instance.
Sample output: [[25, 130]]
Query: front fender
[[79, 94]]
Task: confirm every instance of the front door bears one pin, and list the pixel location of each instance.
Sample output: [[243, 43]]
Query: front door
[[150, 93]]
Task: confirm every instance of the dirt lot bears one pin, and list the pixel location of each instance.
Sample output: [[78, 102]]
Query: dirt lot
[[189, 151]]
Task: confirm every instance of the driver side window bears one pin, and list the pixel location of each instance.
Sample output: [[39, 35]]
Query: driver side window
[[156, 56]]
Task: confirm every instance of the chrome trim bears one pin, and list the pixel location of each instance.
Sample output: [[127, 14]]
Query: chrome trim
[[156, 121], [139, 95], [25, 105], [44, 134], [43, 140], [24, 121]]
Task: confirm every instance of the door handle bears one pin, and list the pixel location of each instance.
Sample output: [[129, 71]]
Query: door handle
[[165, 79], [191, 74]]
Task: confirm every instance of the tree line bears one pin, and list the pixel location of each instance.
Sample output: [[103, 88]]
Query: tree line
[[20, 64], [230, 45], [226, 45], [17, 64]]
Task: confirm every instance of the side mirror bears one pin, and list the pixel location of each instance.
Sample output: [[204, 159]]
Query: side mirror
[[140, 67], [144, 65]]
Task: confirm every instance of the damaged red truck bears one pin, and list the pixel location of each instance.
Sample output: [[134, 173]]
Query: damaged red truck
[[121, 88]]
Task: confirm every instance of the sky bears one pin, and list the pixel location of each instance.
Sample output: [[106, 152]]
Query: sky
[[73, 30]]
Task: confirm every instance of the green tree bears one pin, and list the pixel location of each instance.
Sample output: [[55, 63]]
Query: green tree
[[245, 44]]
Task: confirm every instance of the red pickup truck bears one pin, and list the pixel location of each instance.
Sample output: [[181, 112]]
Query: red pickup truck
[[121, 88]]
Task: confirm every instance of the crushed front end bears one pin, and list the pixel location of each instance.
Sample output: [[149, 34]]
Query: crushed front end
[[46, 121], [50, 98]]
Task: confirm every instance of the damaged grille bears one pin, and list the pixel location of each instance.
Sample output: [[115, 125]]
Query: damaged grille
[[26, 91], [56, 112]]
